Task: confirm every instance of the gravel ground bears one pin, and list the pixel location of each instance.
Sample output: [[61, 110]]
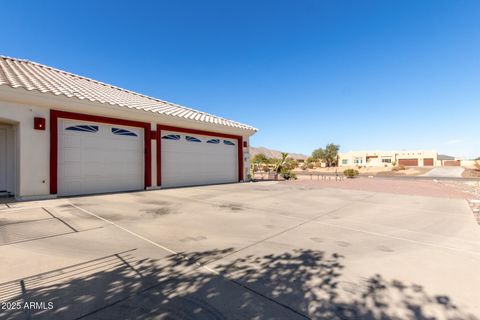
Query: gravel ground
[[469, 191], [406, 187]]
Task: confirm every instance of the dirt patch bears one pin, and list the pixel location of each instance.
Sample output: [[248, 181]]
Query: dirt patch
[[384, 249], [193, 239], [232, 206], [471, 173], [156, 202], [429, 188], [157, 212], [411, 171]]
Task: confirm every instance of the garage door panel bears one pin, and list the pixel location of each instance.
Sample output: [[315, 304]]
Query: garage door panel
[[408, 162], [428, 162], [195, 163], [99, 161], [71, 170]]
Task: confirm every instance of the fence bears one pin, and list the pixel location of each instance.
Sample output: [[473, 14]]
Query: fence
[[304, 175]]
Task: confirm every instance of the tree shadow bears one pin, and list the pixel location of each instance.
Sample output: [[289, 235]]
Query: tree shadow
[[296, 284]]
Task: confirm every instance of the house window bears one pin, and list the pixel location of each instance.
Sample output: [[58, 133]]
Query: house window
[[344, 161], [171, 137], [83, 128], [123, 132], [228, 143], [388, 160], [192, 139], [214, 141], [358, 160]]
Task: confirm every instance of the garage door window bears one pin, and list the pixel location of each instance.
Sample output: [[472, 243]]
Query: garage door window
[[171, 137], [214, 141], [192, 139], [83, 128], [228, 143], [123, 132]]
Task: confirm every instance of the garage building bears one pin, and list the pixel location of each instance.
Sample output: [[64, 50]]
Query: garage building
[[62, 134]]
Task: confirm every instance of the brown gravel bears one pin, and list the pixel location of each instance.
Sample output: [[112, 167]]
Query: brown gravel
[[471, 173], [428, 188]]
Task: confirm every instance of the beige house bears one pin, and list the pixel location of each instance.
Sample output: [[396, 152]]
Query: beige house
[[421, 158]]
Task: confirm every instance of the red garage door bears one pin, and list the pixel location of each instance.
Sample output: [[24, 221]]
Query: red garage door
[[428, 162], [408, 162]]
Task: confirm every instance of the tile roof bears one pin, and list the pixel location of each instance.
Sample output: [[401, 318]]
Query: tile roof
[[28, 75]]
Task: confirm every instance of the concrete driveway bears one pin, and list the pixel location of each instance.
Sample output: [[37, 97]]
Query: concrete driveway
[[241, 251], [445, 172]]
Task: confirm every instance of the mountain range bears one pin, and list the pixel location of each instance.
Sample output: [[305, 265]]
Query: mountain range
[[269, 153]]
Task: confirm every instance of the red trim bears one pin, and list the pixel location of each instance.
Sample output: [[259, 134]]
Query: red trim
[[54, 115], [159, 156], [240, 159], [53, 151], [245, 144], [161, 127], [153, 135]]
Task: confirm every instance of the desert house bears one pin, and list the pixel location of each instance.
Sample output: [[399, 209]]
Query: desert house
[[64, 134], [420, 158]]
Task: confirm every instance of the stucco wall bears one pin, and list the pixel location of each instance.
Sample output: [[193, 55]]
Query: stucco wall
[[393, 155], [33, 146]]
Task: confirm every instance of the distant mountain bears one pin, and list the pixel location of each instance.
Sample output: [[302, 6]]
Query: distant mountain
[[269, 153]]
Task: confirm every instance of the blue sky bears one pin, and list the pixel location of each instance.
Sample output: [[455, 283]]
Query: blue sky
[[363, 74]]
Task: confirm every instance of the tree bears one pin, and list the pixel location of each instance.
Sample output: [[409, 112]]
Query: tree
[[281, 162], [291, 164], [329, 154], [318, 154], [259, 158], [477, 163]]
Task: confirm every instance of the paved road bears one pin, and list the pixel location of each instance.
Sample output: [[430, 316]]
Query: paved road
[[445, 172], [242, 251]]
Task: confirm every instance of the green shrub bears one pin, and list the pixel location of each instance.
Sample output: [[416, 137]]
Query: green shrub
[[350, 173], [287, 174]]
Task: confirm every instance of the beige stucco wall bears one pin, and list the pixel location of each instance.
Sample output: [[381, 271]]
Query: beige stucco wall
[[19, 107], [32, 148], [393, 155]]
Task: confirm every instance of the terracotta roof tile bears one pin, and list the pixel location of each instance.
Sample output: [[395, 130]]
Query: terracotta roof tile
[[29, 75]]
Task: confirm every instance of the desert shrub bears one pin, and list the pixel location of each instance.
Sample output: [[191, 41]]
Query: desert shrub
[[310, 165], [398, 168], [291, 164], [350, 173], [288, 174]]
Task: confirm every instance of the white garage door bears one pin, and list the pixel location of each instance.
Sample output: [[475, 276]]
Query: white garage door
[[96, 158], [189, 159]]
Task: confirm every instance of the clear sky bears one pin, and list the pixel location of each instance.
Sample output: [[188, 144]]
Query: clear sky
[[363, 74]]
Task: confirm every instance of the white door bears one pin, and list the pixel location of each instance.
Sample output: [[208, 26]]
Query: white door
[[3, 160], [97, 158], [190, 159]]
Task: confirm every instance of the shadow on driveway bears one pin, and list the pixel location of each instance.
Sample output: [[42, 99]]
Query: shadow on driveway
[[296, 284]]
